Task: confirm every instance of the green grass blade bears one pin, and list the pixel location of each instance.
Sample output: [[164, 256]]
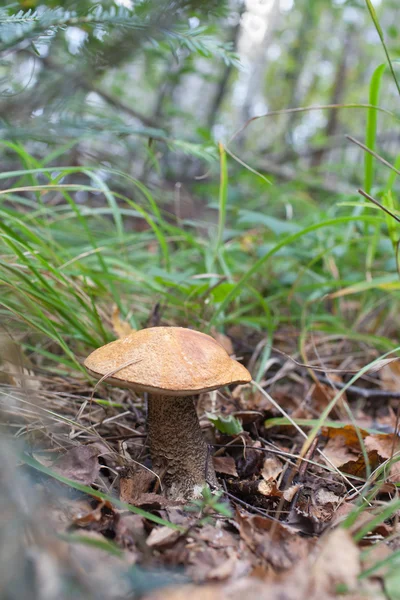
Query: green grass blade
[[379, 30], [371, 126], [285, 242]]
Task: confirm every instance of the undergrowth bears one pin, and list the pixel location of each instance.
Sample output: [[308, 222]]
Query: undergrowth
[[268, 262]]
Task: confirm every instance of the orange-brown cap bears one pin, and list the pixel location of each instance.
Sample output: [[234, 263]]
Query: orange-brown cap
[[167, 360]]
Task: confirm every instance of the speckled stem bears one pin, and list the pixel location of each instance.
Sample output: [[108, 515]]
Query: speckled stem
[[178, 449]]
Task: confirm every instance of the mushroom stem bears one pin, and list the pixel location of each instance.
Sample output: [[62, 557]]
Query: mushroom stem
[[178, 449]]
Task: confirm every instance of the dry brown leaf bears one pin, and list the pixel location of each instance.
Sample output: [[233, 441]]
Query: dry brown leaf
[[204, 560], [269, 488], [121, 328], [216, 536], [390, 375], [130, 530], [338, 452], [323, 393], [290, 492], [162, 536], [376, 554], [79, 464], [385, 444], [151, 500], [193, 592], [250, 461], [225, 465], [344, 451], [366, 517], [348, 434], [337, 562], [16, 367], [272, 468], [381, 364], [231, 568], [133, 484], [272, 541], [90, 517], [324, 496], [358, 468]]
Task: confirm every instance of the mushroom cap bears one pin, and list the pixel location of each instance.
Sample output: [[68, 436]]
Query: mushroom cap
[[167, 360]]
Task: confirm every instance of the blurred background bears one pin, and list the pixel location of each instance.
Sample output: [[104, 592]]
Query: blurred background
[[151, 86]]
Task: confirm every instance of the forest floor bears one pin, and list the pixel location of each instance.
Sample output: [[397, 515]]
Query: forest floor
[[308, 505]]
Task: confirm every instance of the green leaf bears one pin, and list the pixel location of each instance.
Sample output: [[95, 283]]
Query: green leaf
[[229, 425]]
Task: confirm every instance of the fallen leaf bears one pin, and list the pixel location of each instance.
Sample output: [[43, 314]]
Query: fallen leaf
[[270, 489], [385, 444], [121, 328], [130, 530], [363, 519], [79, 464], [381, 364], [337, 563], [324, 496], [16, 367], [216, 536], [93, 516], [194, 592], [272, 468], [162, 536], [203, 559], [358, 467], [225, 569], [152, 501], [348, 434], [375, 555], [338, 452], [225, 465], [290, 492], [323, 393], [272, 541], [304, 522], [250, 461], [134, 483]]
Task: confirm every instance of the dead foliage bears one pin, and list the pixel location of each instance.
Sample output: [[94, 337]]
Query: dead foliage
[[287, 535]]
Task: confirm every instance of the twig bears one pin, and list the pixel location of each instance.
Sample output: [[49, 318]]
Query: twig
[[302, 471], [363, 392], [371, 199], [250, 507], [374, 154]]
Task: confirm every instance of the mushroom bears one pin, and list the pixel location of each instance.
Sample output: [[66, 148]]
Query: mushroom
[[173, 365]]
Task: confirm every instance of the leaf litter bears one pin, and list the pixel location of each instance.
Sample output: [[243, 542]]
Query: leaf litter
[[281, 527]]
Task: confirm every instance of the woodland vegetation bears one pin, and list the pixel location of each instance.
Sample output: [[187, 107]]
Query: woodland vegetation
[[229, 167]]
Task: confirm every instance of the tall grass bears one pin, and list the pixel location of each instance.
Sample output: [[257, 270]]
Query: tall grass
[[65, 262]]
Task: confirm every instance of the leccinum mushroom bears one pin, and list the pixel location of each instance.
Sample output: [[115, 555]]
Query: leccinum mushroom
[[173, 365]]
